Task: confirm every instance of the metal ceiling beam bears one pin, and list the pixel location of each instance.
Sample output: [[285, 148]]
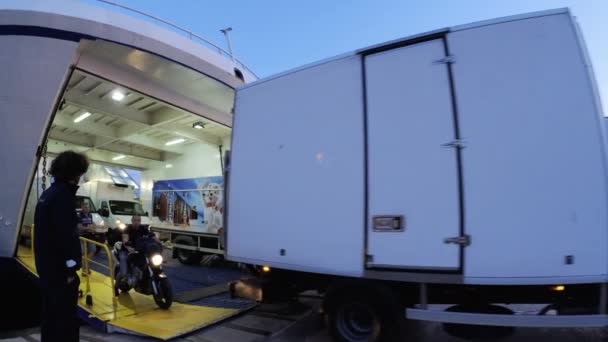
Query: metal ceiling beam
[[107, 134], [55, 147], [85, 126], [93, 104], [151, 87], [88, 142], [138, 122], [191, 134]]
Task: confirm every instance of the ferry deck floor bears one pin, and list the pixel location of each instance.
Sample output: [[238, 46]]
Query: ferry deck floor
[[264, 323], [201, 301]]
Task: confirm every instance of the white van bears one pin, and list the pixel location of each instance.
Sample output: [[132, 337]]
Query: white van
[[118, 212], [116, 203], [462, 166]]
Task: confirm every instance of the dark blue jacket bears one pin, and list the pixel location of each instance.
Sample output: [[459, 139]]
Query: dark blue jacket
[[56, 233], [136, 234]]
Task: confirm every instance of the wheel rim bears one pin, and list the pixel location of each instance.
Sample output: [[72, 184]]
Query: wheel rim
[[357, 322], [184, 254]]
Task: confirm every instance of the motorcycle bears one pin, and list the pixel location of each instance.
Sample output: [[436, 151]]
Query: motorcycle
[[141, 269]]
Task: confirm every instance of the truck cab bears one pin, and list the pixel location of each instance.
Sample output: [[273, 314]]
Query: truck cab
[[118, 213]]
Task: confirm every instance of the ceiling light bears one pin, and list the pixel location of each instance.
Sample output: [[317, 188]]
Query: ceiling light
[[168, 166], [117, 95], [198, 125], [176, 141], [82, 117], [119, 157]]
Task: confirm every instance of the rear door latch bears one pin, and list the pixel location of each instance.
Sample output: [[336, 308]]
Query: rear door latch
[[464, 240]]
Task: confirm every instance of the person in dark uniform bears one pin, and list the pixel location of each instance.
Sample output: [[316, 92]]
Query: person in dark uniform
[[57, 252]]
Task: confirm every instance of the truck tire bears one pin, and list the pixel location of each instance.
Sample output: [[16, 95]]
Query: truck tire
[[362, 312], [185, 256]]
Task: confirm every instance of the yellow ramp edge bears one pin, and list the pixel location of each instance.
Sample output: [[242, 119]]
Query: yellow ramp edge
[[178, 320], [137, 313]]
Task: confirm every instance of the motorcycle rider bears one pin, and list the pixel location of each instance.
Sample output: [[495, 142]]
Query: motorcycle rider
[[131, 234]]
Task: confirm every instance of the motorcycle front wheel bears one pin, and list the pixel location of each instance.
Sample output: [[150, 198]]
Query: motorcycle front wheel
[[164, 295]]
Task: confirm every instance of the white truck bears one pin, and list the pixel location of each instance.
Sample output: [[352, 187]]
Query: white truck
[[116, 203], [464, 166]]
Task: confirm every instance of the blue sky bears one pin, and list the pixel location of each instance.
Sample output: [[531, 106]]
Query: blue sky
[[271, 36]]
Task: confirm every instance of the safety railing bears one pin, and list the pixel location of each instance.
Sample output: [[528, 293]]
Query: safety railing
[[86, 265], [86, 260], [182, 31]]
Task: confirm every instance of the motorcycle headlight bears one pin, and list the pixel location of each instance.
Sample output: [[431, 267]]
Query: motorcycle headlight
[[157, 259], [122, 226]]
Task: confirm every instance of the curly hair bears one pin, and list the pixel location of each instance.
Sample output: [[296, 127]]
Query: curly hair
[[69, 165]]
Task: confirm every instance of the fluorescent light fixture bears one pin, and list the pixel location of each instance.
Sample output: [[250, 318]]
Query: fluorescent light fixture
[[82, 117], [176, 141], [198, 125], [119, 157], [168, 166], [117, 95]]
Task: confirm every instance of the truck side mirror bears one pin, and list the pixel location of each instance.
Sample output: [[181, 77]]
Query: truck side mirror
[[146, 214], [104, 212]]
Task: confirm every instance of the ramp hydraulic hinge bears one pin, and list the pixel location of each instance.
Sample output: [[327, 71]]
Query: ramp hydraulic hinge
[[464, 240], [445, 60]]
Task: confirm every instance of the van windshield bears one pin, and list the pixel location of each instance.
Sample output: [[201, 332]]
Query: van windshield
[[126, 208], [80, 200]]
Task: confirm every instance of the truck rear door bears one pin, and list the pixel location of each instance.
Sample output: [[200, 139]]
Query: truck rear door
[[412, 159]]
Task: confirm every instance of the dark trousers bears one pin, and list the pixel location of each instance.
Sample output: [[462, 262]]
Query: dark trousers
[[59, 312]]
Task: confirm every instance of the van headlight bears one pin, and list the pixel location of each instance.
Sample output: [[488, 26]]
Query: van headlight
[[122, 226], [157, 259], [117, 221]]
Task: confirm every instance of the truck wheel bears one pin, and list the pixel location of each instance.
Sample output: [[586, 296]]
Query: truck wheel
[[362, 313], [186, 256]]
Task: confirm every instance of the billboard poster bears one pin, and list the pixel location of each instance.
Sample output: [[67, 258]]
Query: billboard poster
[[191, 202]]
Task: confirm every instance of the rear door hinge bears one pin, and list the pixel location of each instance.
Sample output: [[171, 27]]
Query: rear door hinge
[[456, 143], [464, 240], [369, 258], [445, 60]]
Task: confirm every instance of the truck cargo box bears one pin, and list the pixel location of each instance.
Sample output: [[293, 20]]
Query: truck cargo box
[[475, 153]]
